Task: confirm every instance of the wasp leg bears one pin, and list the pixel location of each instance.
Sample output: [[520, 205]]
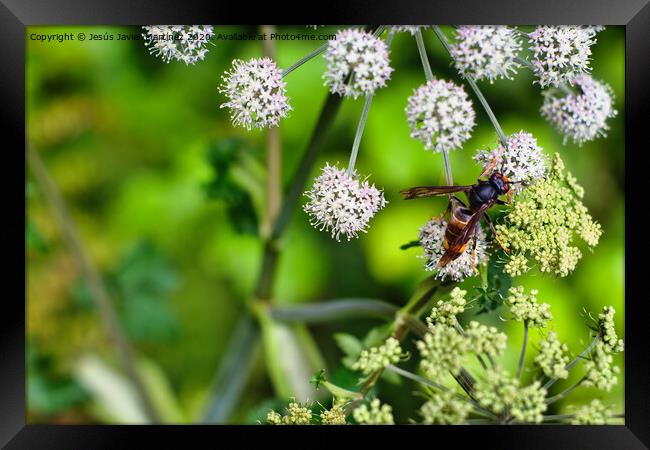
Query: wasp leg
[[488, 219], [489, 169], [458, 200]]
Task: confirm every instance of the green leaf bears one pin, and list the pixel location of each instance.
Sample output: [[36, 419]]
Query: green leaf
[[318, 378], [349, 344], [491, 295]]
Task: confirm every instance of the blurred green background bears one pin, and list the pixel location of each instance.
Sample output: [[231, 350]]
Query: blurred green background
[[135, 146]]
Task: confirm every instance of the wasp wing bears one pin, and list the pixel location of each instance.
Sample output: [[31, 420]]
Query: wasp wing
[[464, 237], [428, 191]]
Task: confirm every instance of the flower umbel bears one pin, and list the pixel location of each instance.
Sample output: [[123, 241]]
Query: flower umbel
[[600, 372], [484, 339], [553, 357], [595, 413], [440, 115], [560, 52], [186, 43], [444, 408], [545, 218], [486, 52], [256, 93], [442, 351], [377, 414], [333, 416], [413, 29], [432, 236], [525, 308], [444, 313], [296, 414], [379, 357], [357, 63], [608, 334], [580, 116], [342, 204], [521, 160]]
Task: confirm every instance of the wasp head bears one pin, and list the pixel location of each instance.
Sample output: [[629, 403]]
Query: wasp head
[[500, 182]]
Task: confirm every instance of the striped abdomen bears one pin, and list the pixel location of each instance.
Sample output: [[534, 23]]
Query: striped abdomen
[[455, 228]]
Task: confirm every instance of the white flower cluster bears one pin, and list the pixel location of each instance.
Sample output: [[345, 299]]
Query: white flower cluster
[[521, 160], [342, 204], [486, 52], [413, 29], [581, 116], [445, 408], [607, 331], [442, 351], [595, 413], [444, 313], [600, 371], [499, 390], [377, 414], [296, 414], [256, 93], [333, 416], [553, 357], [357, 63], [561, 52], [186, 43], [484, 339], [524, 307], [440, 115], [432, 236], [377, 358]]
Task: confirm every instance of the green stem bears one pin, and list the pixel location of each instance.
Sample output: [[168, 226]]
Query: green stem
[[327, 115], [423, 55], [358, 134], [93, 279], [334, 310], [427, 382], [477, 91], [522, 355], [364, 114], [575, 361], [460, 330], [303, 60], [566, 391], [429, 76]]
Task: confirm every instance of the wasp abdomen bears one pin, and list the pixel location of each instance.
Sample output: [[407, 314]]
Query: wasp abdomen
[[455, 228]]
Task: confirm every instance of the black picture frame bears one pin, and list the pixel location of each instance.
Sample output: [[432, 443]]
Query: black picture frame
[[15, 15]]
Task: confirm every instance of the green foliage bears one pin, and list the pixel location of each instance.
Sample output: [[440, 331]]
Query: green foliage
[[221, 156], [49, 391], [490, 296]]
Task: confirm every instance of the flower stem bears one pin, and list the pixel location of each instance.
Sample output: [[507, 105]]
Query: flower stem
[[429, 76], [303, 60], [477, 91], [522, 355], [423, 55], [364, 114], [273, 154], [334, 310], [358, 134], [566, 391], [577, 359], [97, 288], [427, 382]]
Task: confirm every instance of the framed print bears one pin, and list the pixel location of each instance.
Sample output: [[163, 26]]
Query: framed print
[[347, 224]]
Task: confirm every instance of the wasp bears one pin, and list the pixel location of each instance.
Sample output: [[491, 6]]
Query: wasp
[[465, 218]]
